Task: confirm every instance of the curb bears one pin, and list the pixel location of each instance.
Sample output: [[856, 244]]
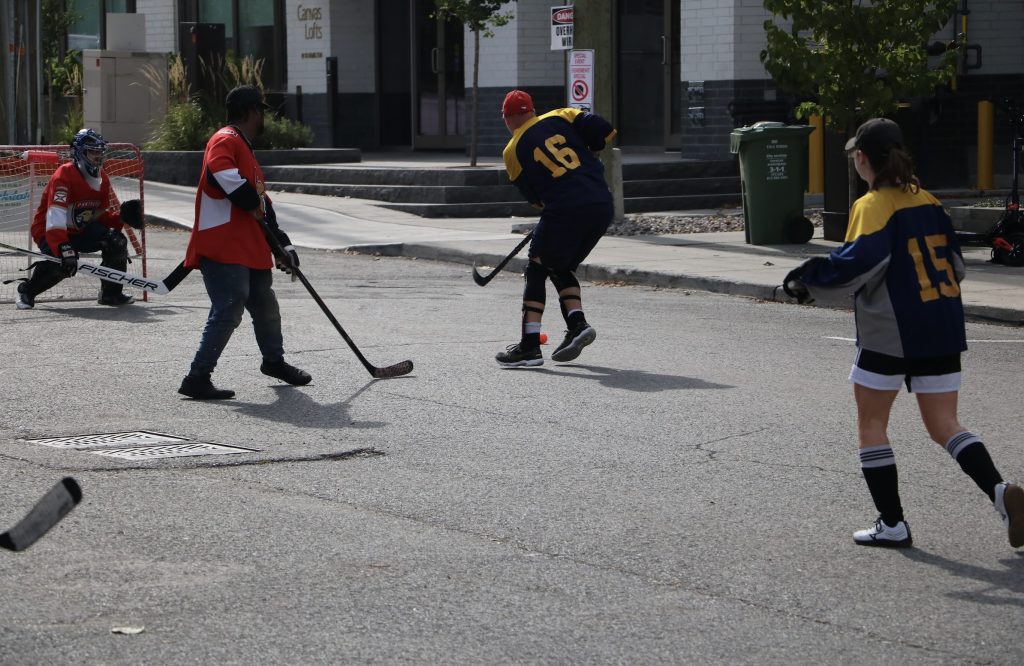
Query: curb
[[716, 285]]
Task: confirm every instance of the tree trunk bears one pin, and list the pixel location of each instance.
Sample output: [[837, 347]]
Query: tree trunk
[[476, 82]]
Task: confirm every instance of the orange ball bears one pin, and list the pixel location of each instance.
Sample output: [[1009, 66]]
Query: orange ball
[[543, 338]]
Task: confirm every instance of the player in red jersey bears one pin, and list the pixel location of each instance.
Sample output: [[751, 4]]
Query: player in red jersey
[[77, 214], [228, 247]]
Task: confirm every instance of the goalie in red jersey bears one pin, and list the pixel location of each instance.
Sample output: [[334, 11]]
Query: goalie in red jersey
[[75, 215]]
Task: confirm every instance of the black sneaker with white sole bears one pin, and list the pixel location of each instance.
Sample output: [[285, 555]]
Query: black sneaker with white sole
[[575, 341], [515, 356], [25, 301], [884, 536]]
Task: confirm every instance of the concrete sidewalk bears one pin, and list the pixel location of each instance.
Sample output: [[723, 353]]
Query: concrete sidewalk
[[717, 262]]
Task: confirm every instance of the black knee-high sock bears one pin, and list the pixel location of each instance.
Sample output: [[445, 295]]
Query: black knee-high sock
[[974, 460], [878, 464]]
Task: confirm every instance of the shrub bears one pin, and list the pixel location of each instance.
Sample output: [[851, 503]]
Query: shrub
[[187, 126], [281, 133]]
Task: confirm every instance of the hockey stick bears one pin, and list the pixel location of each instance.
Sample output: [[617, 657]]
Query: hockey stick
[[484, 279], [396, 370], [160, 287], [45, 514]]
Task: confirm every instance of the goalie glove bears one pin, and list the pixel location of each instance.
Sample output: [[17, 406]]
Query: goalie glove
[[68, 259], [290, 259], [131, 213]]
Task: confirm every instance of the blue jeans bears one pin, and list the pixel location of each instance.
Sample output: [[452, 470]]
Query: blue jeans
[[232, 289]]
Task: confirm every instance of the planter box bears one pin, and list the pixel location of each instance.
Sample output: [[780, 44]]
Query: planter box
[[181, 167]]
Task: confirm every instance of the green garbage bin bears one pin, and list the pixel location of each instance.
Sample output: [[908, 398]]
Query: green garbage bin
[[773, 177]]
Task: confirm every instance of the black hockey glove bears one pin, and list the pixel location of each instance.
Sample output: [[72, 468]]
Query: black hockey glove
[[68, 259], [290, 258], [131, 213], [794, 286]]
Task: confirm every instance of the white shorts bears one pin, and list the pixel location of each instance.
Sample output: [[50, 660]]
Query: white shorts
[[920, 375]]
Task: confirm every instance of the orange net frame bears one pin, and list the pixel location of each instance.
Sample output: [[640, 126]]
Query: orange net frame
[[24, 173]]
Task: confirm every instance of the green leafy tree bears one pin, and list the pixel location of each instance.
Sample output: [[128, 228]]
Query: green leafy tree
[[480, 17], [62, 69], [856, 60]]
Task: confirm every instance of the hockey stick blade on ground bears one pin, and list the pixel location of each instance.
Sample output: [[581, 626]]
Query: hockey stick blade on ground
[[47, 512], [484, 279], [160, 287], [387, 372]]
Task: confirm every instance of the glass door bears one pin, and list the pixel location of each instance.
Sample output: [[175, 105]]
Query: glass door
[[649, 104], [439, 99]]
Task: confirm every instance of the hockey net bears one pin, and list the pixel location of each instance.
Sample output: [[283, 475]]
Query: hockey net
[[24, 173]]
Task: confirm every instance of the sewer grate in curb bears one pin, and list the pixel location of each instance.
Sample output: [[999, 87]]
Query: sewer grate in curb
[[160, 451], [106, 439]]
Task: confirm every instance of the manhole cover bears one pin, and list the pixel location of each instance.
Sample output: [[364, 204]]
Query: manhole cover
[[106, 439], [158, 451]]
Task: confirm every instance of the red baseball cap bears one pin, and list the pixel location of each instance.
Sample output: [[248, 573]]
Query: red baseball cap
[[516, 102]]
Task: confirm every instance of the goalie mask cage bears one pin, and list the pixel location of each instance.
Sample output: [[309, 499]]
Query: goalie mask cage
[[24, 173]]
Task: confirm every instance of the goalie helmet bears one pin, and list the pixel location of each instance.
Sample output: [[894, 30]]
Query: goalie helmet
[[87, 150]]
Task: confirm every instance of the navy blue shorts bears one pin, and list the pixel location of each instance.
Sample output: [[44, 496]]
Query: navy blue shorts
[[563, 240]]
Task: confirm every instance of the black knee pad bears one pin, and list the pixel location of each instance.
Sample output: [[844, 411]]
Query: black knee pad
[[564, 279], [536, 276]]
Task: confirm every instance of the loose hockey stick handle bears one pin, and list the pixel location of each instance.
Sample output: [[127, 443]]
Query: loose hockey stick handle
[[160, 287], [484, 279], [396, 370], [47, 512]]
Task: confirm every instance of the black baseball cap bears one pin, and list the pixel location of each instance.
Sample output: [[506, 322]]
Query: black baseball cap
[[245, 97], [876, 137]]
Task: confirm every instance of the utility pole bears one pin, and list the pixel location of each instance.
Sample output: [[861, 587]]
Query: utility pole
[[594, 28]]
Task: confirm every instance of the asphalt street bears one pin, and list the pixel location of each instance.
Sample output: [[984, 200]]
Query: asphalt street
[[682, 493]]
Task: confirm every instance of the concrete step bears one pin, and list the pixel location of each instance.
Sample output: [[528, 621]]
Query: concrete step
[[486, 191]]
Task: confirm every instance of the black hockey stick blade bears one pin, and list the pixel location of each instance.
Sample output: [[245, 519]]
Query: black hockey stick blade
[[176, 276], [484, 279], [396, 370], [47, 512]]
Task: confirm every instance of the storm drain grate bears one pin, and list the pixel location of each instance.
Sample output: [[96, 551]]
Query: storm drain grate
[[139, 445], [159, 451], [106, 439]]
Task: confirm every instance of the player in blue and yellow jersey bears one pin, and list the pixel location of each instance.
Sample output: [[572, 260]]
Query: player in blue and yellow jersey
[[903, 264], [552, 160]]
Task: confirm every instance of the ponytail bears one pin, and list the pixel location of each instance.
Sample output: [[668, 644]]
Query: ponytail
[[897, 170]]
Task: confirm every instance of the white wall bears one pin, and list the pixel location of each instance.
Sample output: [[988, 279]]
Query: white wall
[[706, 41], [538, 64], [998, 26], [161, 24], [308, 40], [499, 55]]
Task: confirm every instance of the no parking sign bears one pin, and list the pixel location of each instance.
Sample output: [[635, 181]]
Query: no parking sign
[[581, 79]]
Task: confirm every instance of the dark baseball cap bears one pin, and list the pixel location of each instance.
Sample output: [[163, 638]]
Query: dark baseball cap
[[244, 98], [875, 137]]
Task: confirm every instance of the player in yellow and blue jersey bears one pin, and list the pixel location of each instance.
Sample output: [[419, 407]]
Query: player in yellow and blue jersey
[[902, 261], [552, 160]]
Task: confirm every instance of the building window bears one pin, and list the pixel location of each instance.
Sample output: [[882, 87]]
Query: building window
[[251, 28], [90, 30]]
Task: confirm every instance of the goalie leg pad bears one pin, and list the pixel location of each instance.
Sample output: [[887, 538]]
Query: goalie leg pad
[[536, 276], [114, 253], [45, 275]]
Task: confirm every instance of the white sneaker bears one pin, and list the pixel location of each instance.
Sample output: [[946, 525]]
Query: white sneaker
[[882, 535], [1010, 507]]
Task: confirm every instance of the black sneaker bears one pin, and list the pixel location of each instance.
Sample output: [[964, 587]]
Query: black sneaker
[[201, 388], [286, 373], [115, 299], [24, 302], [517, 357], [575, 341]]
